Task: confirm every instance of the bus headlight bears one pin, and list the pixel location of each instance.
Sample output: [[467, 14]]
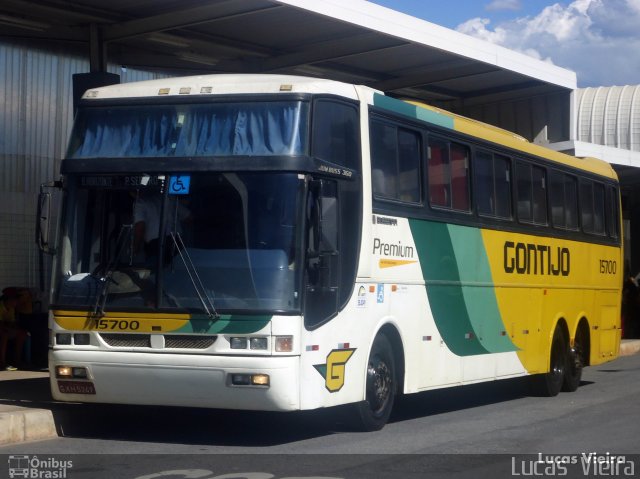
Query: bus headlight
[[63, 339], [250, 380], [64, 372], [258, 343], [81, 339], [67, 372], [238, 343]]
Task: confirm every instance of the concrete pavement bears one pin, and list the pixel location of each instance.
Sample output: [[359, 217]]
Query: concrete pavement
[[26, 404]]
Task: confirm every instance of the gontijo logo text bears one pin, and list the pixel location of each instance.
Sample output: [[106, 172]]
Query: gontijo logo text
[[531, 258]]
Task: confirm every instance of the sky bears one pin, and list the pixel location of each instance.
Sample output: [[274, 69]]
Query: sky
[[598, 39]]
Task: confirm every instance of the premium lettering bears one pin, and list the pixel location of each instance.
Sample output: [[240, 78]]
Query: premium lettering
[[537, 259], [390, 249]]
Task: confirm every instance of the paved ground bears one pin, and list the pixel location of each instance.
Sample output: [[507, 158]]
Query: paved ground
[[26, 404]]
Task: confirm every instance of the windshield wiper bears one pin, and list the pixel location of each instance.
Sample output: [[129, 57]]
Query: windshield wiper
[[105, 279], [201, 291]]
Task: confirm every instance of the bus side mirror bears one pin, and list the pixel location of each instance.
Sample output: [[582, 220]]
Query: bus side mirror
[[43, 225], [324, 217]]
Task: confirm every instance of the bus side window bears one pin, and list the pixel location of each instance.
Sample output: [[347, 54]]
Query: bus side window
[[571, 202], [598, 209], [336, 133], [448, 172], [439, 175], [383, 160], [493, 185], [395, 162], [586, 205], [523, 183], [531, 185], [613, 218]]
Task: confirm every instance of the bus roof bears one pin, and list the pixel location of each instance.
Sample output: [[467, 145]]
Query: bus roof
[[492, 134], [228, 84]]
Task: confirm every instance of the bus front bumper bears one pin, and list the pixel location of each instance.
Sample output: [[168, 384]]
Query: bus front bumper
[[177, 380]]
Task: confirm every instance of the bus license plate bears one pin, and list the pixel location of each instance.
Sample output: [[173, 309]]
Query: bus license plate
[[76, 387]]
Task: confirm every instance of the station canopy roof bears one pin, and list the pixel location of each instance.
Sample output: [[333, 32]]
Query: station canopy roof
[[353, 41]]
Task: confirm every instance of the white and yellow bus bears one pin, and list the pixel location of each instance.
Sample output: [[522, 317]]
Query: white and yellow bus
[[280, 243]]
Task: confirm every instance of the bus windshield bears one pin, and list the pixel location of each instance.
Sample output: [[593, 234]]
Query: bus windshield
[[229, 240], [266, 128]]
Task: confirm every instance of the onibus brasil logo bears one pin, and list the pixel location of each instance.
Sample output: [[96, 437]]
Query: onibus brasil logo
[[33, 467]]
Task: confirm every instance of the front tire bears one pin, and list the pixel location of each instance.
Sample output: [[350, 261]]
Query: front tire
[[374, 412]]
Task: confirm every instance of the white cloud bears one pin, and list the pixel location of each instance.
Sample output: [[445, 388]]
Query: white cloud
[[599, 39], [504, 5]]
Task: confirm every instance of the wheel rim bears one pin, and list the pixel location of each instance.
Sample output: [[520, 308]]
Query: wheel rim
[[379, 380]]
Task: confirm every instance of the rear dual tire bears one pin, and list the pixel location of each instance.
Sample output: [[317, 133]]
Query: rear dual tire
[[565, 368]]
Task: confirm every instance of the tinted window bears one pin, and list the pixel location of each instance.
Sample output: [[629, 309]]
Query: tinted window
[[448, 166], [493, 183], [612, 210], [556, 198], [523, 182], [539, 190], [598, 209], [571, 202], [564, 200], [532, 193], [395, 162], [586, 205], [336, 133]]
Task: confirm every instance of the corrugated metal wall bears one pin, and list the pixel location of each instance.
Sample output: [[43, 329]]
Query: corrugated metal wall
[[609, 116], [35, 120]]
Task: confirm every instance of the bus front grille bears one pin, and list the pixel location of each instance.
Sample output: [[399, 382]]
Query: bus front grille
[[173, 341], [189, 342], [121, 340]]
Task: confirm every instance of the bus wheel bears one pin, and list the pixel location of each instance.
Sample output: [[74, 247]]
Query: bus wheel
[[373, 413], [573, 372], [550, 384]]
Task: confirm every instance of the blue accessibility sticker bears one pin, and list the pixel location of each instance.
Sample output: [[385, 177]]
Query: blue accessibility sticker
[[179, 185]]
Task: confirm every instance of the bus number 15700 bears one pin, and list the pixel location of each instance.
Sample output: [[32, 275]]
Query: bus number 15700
[[114, 324], [608, 266]]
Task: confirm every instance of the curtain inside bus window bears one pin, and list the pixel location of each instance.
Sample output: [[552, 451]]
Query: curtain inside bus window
[[460, 177], [123, 132], [439, 179], [258, 129], [216, 129]]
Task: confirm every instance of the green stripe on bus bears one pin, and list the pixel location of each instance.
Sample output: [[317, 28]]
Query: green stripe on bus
[[226, 324], [478, 290], [412, 111], [445, 293]]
